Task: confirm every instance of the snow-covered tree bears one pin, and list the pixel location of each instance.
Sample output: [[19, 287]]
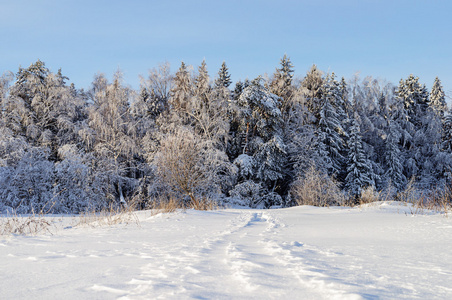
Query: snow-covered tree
[[115, 141], [158, 86], [312, 86], [224, 78], [150, 108], [359, 169], [43, 108], [258, 120], [188, 166], [26, 186], [394, 159], [414, 97], [202, 83], [74, 190], [329, 129], [281, 83], [209, 110], [447, 133], [438, 98], [182, 89]]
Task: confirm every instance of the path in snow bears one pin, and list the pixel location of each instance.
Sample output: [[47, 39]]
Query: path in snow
[[296, 253]]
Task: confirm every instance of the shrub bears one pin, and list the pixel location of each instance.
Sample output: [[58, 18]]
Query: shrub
[[316, 188]]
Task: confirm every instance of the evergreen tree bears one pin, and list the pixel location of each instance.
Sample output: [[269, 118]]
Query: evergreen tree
[[202, 83], [332, 91], [281, 84], [312, 86], [259, 135], [329, 130], [438, 98], [447, 133], [343, 92], [446, 147], [182, 89], [224, 79], [43, 108], [359, 168], [393, 158], [17, 109], [428, 156], [414, 97]]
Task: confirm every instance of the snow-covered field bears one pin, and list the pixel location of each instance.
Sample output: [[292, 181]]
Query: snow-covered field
[[378, 251]]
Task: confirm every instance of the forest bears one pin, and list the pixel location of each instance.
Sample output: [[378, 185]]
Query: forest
[[274, 141]]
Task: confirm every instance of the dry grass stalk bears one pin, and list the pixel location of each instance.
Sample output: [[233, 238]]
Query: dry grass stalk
[[165, 206], [13, 224], [109, 217], [203, 203]]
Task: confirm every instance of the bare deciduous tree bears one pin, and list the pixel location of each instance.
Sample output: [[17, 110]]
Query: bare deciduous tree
[[189, 166]]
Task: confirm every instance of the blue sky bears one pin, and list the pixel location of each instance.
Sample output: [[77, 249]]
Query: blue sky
[[385, 39]]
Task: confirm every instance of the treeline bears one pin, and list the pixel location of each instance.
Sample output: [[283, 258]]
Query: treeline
[[185, 137]]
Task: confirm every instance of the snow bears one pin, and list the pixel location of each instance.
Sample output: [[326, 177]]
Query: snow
[[381, 250]]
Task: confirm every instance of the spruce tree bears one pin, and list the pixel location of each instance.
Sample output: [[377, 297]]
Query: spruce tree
[[414, 97], [359, 168], [393, 158], [182, 89], [281, 84], [438, 98], [447, 133], [259, 135], [202, 83], [329, 129], [224, 79], [312, 86]]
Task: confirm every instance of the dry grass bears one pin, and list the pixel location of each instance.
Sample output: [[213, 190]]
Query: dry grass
[[318, 189], [29, 224], [437, 200], [34, 224], [108, 217], [37, 224], [171, 204], [165, 206], [203, 203]]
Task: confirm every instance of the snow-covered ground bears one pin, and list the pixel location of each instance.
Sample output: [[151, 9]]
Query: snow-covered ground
[[378, 251]]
